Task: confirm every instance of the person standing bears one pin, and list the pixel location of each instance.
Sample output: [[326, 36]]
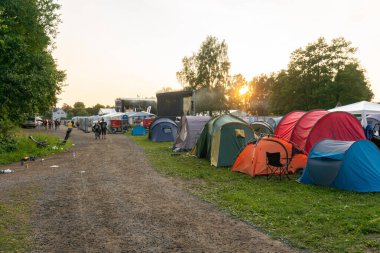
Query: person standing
[[103, 126], [97, 130], [56, 124], [69, 129]]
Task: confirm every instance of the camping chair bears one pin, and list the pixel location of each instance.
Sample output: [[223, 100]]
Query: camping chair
[[274, 165]]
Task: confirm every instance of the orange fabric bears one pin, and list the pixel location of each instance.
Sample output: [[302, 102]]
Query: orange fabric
[[298, 162], [252, 160], [243, 162]]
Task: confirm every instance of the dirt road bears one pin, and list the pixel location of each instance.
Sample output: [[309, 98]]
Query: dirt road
[[105, 197]]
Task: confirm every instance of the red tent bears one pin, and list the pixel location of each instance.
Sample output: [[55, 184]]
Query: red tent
[[303, 129], [336, 126], [286, 125]]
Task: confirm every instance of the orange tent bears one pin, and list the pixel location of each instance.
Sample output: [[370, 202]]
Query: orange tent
[[252, 160]]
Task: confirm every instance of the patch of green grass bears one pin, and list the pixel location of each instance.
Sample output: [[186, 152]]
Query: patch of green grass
[[305, 216], [15, 210], [28, 148]]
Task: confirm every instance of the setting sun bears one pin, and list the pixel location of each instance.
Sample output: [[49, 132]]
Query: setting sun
[[243, 90]]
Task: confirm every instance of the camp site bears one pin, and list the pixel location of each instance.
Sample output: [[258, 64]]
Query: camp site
[[190, 126]]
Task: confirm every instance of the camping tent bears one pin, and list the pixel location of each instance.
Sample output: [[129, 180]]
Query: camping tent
[[306, 129], [163, 129], [273, 121], [374, 121], [334, 125], [346, 165], [222, 138], [362, 108], [303, 127], [191, 128], [138, 130], [252, 160], [285, 126], [262, 127], [105, 111]]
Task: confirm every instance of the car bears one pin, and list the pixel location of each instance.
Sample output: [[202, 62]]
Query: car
[[29, 123]]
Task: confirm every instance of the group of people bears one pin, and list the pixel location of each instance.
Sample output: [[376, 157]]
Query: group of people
[[100, 129], [49, 124]]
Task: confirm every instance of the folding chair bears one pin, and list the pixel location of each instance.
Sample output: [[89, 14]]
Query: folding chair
[[274, 165]]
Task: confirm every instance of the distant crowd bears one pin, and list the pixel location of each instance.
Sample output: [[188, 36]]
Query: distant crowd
[[51, 124]]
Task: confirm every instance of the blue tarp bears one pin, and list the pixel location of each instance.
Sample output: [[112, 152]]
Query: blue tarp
[[346, 165], [138, 130]]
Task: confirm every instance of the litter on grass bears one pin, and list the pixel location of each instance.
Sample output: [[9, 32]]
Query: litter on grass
[[54, 166], [6, 171]]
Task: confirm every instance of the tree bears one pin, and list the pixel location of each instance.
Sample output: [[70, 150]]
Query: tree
[[235, 98], [66, 107], [29, 78], [261, 87], [95, 109], [166, 89], [350, 85], [208, 69], [314, 74], [79, 109], [210, 101]]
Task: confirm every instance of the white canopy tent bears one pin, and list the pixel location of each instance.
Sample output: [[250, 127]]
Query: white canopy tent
[[363, 108]]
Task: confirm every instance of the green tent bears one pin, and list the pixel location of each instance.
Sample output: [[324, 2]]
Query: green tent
[[222, 139]]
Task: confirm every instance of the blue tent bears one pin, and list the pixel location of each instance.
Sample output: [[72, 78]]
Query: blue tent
[[345, 165], [163, 129], [138, 130]]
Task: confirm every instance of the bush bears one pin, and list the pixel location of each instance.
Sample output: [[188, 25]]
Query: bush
[[7, 137]]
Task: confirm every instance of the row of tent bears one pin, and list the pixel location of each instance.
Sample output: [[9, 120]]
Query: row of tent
[[308, 140], [219, 139]]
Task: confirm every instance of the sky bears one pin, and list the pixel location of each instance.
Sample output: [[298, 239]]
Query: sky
[[129, 48]]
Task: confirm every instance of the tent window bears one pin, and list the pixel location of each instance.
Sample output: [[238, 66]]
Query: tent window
[[240, 133], [167, 130]]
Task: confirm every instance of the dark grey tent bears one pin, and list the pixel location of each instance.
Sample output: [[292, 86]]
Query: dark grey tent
[[262, 127], [163, 129], [374, 121], [274, 121], [191, 128]]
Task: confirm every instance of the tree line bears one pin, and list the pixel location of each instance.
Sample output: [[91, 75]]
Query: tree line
[[320, 75], [79, 109]]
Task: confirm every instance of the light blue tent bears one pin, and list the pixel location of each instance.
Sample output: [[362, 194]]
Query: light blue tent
[[163, 129], [345, 165], [138, 130]]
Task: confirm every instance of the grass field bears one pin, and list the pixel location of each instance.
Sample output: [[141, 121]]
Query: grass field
[[15, 218], [304, 216], [27, 148], [15, 209]]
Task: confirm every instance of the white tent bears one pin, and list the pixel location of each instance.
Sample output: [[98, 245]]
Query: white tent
[[104, 111], [363, 108]]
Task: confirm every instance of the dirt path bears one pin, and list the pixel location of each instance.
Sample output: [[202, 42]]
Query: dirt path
[[107, 198]]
